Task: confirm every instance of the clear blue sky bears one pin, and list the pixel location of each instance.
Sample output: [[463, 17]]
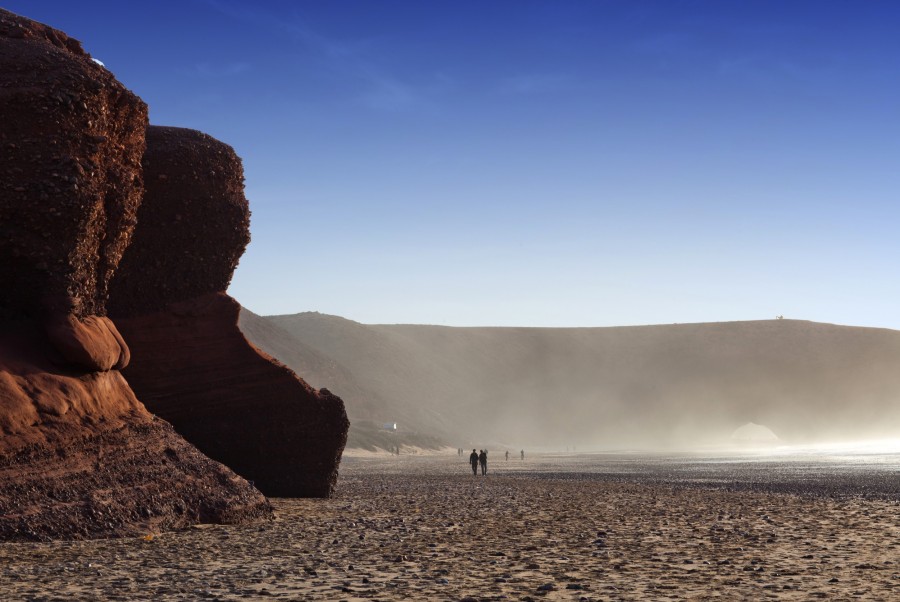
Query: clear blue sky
[[553, 163]]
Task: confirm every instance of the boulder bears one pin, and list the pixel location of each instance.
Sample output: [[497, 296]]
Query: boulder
[[190, 364], [92, 343]]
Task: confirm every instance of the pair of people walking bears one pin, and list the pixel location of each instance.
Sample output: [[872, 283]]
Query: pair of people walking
[[478, 459]]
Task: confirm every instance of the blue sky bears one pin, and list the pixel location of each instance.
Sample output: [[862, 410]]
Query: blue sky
[[557, 163]]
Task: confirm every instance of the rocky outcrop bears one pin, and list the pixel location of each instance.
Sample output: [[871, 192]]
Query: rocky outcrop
[[190, 363], [80, 456], [70, 171], [193, 367], [92, 343], [194, 225], [137, 479]]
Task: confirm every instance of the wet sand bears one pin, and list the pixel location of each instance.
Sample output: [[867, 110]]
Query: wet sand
[[551, 528]]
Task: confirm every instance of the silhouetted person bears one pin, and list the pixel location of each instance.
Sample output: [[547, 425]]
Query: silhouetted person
[[473, 460], [507, 455], [522, 453], [482, 459]]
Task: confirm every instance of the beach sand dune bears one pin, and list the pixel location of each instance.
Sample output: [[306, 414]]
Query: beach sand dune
[[417, 528]]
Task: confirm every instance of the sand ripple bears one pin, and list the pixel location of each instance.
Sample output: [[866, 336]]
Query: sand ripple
[[422, 528]]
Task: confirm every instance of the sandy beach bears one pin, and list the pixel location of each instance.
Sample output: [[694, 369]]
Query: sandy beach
[[550, 528]]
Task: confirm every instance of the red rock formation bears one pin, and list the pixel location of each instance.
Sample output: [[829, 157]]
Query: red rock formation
[[71, 143], [190, 363], [193, 366], [80, 456], [93, 343], [194, 226]]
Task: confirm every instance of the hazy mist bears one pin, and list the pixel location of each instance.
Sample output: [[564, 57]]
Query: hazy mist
[[648, 387]]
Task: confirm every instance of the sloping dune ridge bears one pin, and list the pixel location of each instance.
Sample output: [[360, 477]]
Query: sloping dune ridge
[[644, 386]]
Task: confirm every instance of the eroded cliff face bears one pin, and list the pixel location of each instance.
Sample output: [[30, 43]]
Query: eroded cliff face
[[70, 172], [190, 363], [80, 456], [194, 224], [194, 368]]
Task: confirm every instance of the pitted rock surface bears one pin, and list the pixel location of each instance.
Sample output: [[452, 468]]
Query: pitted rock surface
[[194, 223], [71, 143]]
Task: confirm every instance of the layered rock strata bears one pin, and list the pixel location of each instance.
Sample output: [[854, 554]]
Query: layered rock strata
[[80, 456], [190, 363], [193, 367]]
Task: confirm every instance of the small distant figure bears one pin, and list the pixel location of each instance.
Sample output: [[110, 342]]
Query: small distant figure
[[473, 460], [507, 455], [522, 454], [459, 451], [482, 459]]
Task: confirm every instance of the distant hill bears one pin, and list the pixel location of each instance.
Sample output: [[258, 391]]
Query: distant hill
[[640, 386], [367, 410]]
